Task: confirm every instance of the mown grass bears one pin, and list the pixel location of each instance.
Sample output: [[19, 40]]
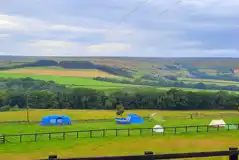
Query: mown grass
[[36, 115], [111, 145], [35, 128]]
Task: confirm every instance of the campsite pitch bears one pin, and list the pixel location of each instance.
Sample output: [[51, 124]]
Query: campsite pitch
[[112, 145]]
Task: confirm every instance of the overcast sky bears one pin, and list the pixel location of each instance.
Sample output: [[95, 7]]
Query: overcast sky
[[193, 28]]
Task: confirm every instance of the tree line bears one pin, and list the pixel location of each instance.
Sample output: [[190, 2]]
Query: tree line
[[161, 82], [54, 96]]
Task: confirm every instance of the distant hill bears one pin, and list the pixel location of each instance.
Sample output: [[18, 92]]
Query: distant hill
[[136, 67], [70, 65]]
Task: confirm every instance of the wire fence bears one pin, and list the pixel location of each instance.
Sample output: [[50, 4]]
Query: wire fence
[[67, 135]]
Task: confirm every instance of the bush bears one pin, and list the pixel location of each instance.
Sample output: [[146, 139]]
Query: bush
[[9, 108]]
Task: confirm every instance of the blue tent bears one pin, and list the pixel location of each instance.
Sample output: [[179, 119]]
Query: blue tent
[[131, 119], [55, 120], [122, 121], [135, 119]]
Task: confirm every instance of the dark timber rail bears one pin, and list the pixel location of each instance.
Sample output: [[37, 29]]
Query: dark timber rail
[[34, 137], [232, 153]]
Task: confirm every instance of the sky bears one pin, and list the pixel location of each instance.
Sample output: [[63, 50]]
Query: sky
[[136, 28]]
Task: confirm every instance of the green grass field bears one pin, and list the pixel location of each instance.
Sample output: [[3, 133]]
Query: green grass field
[[111, 145], [209, 81], [87, 82], [66, 80]]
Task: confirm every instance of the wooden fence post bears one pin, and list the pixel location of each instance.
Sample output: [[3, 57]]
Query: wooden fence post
[[103, 132], [52, 157], [35, 137], [116, 132], [149, 155], [140, 131], [128, 132], [49, 136], [20, 138], [77, 134], [186, 129], [175, 130], [152, 131], [90, 133], [235, 155], [197, 129], [2, 139], [64, 135]]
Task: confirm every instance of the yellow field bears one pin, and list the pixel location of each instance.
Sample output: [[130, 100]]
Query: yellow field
[[61, 72], [36, 115]]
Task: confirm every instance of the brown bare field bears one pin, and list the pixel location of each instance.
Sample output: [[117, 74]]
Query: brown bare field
[[53, 72]]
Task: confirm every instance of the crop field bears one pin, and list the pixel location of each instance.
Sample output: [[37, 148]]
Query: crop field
[[83, 82], [209, 81], [66, 80], [111, 145], [57, 71]]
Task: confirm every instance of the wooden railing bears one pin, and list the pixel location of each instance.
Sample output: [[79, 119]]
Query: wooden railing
[[232, 154], [34, 137]]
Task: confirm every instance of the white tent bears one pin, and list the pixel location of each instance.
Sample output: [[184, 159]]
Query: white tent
[[158, 129], [217, 123]]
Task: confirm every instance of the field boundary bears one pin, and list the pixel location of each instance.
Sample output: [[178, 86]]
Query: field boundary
[[232, 153], [99, 133]]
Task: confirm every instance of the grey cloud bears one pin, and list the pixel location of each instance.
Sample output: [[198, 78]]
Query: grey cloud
[[192, 28]]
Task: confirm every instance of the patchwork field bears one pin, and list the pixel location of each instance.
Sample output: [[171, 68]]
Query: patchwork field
[[209, 81], [111, 145], [66, 80], [56, 71]]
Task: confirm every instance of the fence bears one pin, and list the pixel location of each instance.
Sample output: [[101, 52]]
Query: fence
[[232, 153], [13, 138]]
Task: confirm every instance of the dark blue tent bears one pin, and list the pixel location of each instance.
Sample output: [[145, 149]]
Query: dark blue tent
[[131, 119], [122, 121], [55, 120], [135, 119]]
